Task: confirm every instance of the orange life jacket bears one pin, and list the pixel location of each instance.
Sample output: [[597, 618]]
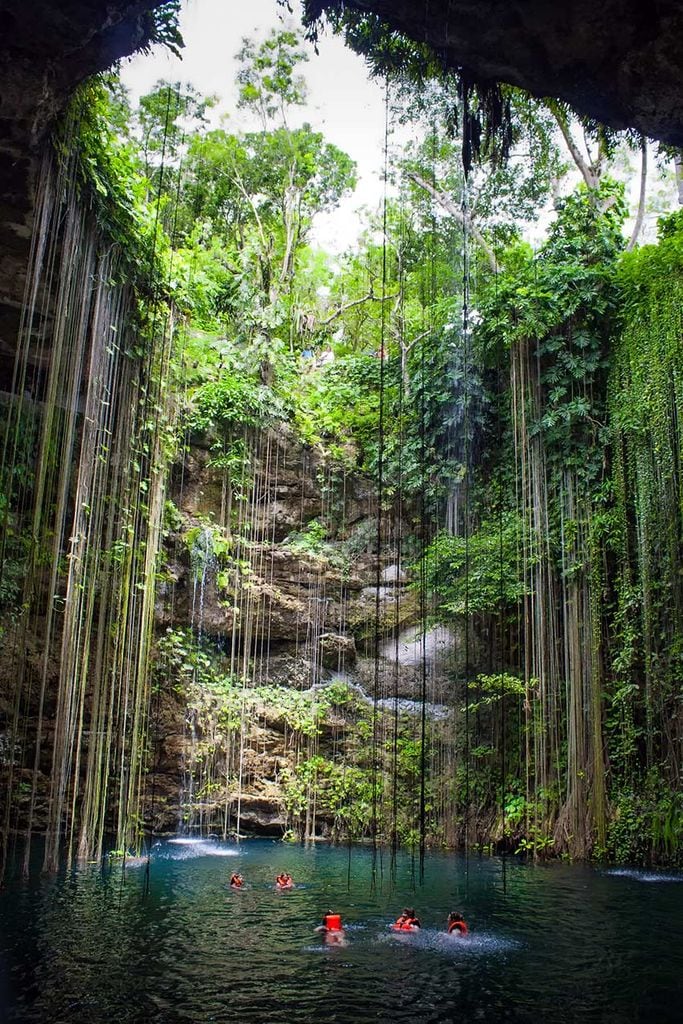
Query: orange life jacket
[[407, 924], [460, 925]]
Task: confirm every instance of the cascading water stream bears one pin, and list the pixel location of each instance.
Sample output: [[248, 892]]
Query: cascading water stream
[[203, 563]]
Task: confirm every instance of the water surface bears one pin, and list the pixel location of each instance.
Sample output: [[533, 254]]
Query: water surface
[[551, 943]]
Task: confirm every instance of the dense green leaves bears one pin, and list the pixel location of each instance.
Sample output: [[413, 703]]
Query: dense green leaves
[[477, 574]]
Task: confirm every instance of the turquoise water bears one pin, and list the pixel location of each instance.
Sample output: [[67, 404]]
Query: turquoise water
[[554, 943]]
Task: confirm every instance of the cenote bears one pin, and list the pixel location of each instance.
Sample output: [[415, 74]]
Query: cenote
[[556, 942], [341, 510]]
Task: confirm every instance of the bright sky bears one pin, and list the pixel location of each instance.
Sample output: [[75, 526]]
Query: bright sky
[[344, 103]]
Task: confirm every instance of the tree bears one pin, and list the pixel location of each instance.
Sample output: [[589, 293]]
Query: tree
[[165, 118], [497, 196], [267, 81]]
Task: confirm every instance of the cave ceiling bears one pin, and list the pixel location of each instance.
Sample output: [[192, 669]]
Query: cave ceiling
[[48, 46], [620, 61]]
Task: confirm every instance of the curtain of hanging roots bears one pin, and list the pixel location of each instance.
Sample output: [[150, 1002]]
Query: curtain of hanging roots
[[560, 630], [91, 510]]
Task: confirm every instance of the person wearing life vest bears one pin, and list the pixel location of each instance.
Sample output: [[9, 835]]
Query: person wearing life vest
[[407, 921], [456, 924], [284, 881], [236, 880], [332, 929]]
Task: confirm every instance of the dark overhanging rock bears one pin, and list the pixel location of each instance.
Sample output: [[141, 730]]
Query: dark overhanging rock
[[48, 48], [618, 61]]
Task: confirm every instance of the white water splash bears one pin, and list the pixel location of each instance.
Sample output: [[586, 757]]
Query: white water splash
[[479, 944], [643, 876], [183, 848]]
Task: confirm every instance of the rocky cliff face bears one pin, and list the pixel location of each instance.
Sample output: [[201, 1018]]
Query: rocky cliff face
[[291, 620]]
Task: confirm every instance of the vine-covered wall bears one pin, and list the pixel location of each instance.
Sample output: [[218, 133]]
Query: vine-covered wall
[[644, 548]]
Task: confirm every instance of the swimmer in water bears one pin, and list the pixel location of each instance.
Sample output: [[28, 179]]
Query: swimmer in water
[[332, 930], [407, 920], [284, 881], [236, 880], [456, 924]]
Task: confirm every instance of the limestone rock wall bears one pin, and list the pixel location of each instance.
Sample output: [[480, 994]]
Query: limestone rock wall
[[297, 618]]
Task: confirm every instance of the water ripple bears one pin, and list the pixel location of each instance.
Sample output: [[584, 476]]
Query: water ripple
[[95, 946]]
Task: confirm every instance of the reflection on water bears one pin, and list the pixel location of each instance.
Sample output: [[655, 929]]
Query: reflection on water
[[555, 943]]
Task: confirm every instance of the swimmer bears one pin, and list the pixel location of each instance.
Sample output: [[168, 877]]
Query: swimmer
[[407, 921], [456, 924], [332, 930], [284, 881], [236, 880]]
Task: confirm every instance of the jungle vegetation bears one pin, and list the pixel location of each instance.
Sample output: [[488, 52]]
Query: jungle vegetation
[[516, 410]]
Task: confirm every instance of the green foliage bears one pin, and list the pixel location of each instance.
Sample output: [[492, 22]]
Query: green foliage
[[646, 624], [537, 842], [646, 826], [500, 195], [478, 574], [107, 173], [231, 403], [165, 26], [163, 118], [670, 225], [568, 285], [225, 409], [557, 306], [266, 79], [491, 689], [180, 656], [343, 792], [340, 408], [311, 542], [173, 520]]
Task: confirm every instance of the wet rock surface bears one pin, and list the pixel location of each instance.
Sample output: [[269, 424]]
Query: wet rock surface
[[312, 617]]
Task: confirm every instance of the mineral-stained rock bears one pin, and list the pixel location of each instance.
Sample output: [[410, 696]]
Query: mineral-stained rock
[[338, 651], [393, 574], [260, 815]]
